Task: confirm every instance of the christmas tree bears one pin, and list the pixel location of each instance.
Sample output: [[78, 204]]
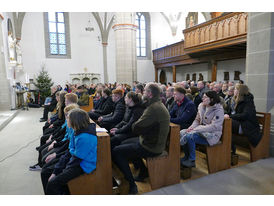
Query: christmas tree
[[43, 83]]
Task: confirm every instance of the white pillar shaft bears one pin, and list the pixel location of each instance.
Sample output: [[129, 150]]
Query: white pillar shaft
[[125, 36]]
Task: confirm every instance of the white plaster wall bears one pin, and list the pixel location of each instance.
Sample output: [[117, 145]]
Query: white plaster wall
[[231, 66], [182, 71], [145, 71], [86, 49], [222, 66]]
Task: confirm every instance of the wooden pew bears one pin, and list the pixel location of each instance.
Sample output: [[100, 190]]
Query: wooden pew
[[88, 107], [262, 149], [219, 155], [98, 182], [164, 170]]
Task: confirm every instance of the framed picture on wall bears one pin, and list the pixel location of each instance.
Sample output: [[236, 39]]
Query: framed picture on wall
[[226, 76], [237, 75]]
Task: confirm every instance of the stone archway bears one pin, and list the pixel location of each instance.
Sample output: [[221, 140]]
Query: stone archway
[[94, 81], [76, 81], [86, 81], [163, 77]]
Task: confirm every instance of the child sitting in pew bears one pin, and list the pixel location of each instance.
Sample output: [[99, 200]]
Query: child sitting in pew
[[81, 157], [57, 143]]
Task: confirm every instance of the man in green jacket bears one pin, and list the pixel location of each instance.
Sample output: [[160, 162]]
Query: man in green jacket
[[152, 129]]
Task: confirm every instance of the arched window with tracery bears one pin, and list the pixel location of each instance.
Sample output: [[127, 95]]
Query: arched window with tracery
[[57, 36], [143, 49]]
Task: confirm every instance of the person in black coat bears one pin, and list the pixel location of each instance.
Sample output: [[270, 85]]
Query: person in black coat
[[184, 111], [229, 101], [105, 106], [196, 97], [244, 120], [134, 111], [49, 128], [170, 99], [51, 106], [112, 119]]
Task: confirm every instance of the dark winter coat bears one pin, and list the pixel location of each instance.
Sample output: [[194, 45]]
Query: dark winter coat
[[132, 114], [169, 103], [197, 100], [246, 116], [105, 107], [53, 102], [184, 114], [153, 126], [110, 120]]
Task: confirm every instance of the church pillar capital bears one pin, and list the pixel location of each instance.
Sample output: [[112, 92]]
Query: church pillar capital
[[124, 27]]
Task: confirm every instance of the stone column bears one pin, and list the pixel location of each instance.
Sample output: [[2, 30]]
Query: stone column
[[105, 62], [5, 96], [125, 36], [260, 64]]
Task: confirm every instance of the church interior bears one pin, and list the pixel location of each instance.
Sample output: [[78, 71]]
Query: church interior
[[92, 48]]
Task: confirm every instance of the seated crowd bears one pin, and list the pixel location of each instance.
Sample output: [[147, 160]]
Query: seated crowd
[[137, 120]]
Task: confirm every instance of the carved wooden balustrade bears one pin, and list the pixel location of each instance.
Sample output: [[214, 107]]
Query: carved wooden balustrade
[[224, 36], [226, 30], [166, 52]]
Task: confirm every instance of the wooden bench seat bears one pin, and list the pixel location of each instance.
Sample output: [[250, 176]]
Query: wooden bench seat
[[262, 149], [219, 155], [98, 182], [164, 169]]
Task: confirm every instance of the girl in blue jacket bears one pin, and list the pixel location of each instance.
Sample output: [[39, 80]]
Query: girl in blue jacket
[[81, 156]]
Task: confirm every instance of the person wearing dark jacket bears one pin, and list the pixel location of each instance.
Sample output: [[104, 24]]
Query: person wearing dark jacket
[[104, 107], [244, 120], [51, 106], [229, 102], [79, 159], [110, 120], [201, 85], [83, 96], [196, 97], [152, 129], [56, 143], [184, 110], [70, 98], [134, 111], [170, 99], [60, 115]]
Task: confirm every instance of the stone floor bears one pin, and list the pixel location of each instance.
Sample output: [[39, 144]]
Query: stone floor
[[256, 178], [17, 152]]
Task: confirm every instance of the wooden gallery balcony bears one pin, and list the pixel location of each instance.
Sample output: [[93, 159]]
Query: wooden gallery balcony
[[221, 38]]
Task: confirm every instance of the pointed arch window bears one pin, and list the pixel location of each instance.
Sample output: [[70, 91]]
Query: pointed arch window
[[57, 35], [143, 35]]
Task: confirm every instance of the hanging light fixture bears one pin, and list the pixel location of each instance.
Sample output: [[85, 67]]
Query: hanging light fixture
[[89, 26]]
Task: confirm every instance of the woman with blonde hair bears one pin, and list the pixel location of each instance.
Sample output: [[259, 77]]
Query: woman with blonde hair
[[244, 120], [60, 115]]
